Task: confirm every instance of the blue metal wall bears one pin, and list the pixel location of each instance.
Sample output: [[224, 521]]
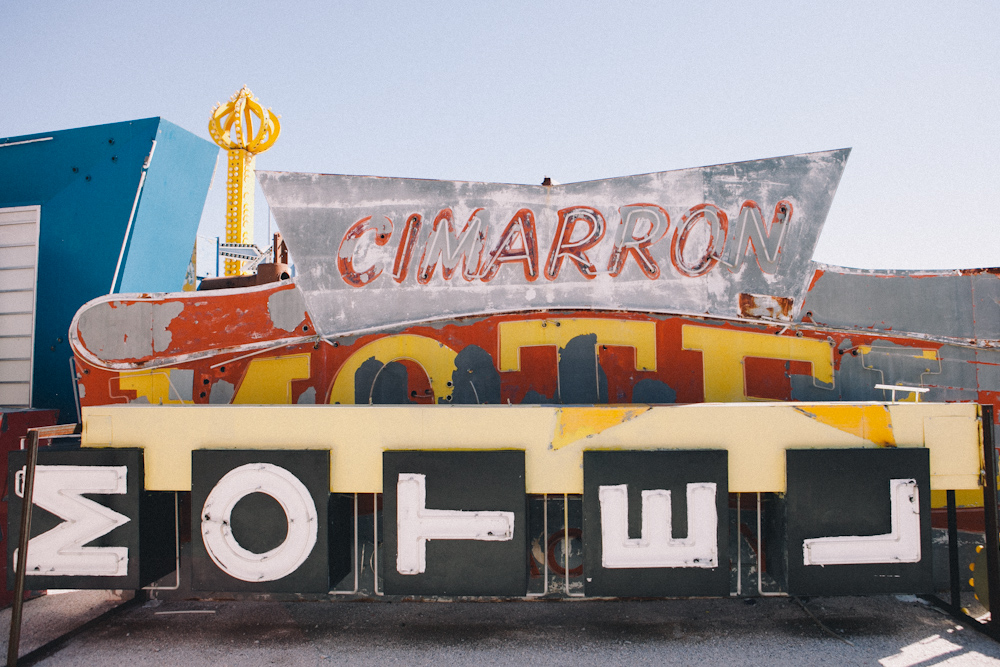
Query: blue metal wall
[[87, 181]]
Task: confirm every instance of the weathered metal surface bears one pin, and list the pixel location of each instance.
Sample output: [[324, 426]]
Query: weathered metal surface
[[960, 305], [377, 252], [269, 353], [553, 438], [453, 307], [139, 331], [404, 296], [761, 306]]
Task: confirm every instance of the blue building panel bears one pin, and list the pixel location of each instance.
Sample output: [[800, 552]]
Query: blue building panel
[[170, 208], [87, 182]]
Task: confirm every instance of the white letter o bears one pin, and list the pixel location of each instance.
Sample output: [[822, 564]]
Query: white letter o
[[300, 512]]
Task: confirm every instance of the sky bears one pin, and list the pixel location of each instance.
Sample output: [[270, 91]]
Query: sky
[[512, 92]]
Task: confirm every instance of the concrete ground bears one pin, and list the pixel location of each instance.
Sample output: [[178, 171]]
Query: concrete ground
[[886, 630], [50, 616], [177, 629]]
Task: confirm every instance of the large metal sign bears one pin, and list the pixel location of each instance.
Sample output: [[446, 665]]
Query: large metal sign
[[376, 252], [457, 484], [497, 364]]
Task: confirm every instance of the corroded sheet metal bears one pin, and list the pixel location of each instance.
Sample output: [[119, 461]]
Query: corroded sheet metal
[[378, 252], [961, 305], [259, 345], [136, 331]]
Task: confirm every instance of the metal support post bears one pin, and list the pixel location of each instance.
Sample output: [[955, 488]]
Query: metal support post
[[956, 584], [992, 524], [14, 642]]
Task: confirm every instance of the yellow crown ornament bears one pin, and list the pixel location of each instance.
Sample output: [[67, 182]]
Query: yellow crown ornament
[[244, 128]]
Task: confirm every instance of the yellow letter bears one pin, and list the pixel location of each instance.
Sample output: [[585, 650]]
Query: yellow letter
[[530, 333], [269, 381], [437, 360], [723, 351]]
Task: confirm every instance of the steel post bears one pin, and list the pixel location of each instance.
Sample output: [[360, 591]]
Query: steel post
[[13, 644], [990, 511], [956, 584]]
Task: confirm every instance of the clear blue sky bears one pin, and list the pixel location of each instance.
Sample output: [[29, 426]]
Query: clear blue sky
[[515, 91]]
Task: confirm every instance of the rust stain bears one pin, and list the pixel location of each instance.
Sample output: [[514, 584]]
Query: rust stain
[[979, 272], [764, 306]]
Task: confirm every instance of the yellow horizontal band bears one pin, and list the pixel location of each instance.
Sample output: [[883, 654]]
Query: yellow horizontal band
[[756, 436]]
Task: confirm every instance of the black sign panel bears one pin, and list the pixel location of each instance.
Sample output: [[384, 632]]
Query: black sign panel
[[655, 523], [259, 520], [92, 525], [455, 523], [858, 521]]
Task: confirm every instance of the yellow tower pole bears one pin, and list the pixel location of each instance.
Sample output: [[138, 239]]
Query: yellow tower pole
[[245, 129]]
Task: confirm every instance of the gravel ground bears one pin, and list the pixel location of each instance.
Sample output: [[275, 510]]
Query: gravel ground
[[895, 632]]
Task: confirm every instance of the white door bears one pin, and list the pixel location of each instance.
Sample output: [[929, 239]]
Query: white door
[[18, 261]]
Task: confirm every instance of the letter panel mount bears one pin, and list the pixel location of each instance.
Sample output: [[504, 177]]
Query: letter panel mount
[[93, 526]]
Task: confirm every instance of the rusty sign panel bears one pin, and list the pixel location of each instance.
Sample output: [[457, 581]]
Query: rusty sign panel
[[188, 348], [378, 252], [450, 311]]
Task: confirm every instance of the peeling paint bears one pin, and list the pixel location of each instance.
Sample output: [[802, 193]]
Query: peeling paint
[[869, 422], [182, 382], [766, 307], [511, 240], [573, 424], [121, 330], [163, 315], [222, 393], [564, 324], [287, 309]]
